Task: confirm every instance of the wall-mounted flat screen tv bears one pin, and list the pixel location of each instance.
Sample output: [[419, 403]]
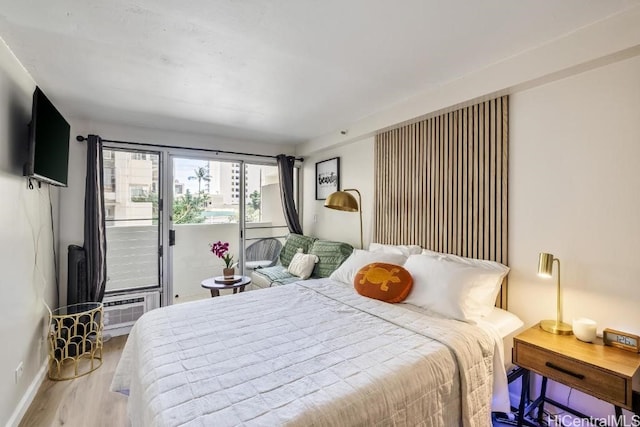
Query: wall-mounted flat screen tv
[[48, 142]]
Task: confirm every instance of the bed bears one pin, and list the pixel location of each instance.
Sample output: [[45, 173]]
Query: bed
[[310, 353], [318, 353]]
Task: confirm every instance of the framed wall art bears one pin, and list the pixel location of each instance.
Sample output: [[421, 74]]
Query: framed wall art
[[327, 177]]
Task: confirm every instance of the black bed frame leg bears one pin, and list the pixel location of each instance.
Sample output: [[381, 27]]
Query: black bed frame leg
[[543, 395], [524, 397]]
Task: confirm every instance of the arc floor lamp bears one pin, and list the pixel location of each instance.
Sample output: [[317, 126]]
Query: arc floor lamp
[[343, 201]]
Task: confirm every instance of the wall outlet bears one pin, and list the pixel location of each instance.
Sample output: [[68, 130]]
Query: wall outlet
[[19, 371]]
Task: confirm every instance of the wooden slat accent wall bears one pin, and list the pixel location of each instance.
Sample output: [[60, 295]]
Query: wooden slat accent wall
[[442, 183]]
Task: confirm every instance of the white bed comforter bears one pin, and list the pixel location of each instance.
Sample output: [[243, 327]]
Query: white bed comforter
[[312, 353]]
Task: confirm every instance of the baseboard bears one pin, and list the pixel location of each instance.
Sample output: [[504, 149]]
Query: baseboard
[[28, 397]]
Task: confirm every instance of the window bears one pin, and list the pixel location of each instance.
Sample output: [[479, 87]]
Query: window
[[139, 156], [109, 178], [139, 193], [110, 213]]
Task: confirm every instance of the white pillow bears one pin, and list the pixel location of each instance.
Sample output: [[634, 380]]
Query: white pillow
[[358, 259], [444, 286], [482, 298], [503, 321], [301, 265], [405, 250]]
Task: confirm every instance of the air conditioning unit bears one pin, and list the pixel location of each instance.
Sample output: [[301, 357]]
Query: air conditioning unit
[[122, 311]]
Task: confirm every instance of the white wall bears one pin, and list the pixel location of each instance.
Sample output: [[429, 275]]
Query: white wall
[[356, 171], [27, 278], [575, 192]]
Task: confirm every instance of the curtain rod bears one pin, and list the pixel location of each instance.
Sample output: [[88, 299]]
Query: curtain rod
[[81, 138]]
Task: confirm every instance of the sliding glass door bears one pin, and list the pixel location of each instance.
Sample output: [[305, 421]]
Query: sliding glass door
[[206, 208], [165, 208], [133, 223]]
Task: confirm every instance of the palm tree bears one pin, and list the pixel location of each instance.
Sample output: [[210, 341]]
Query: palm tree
[[188, 209], [201, 174]]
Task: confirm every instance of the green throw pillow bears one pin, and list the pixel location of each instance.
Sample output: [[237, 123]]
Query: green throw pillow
[[331, 255], [294, 241]]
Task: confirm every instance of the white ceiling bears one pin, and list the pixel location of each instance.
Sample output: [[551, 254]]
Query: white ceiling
[[268, 70]]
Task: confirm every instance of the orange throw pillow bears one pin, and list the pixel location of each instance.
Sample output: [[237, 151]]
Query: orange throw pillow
[[386, 282]]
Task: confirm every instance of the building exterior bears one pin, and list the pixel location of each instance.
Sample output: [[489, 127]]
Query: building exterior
[[130, 183]]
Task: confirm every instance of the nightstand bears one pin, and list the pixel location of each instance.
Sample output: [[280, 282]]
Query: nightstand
[[593, 368]]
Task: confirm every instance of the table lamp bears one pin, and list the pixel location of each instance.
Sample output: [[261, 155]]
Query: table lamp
[[545, 269]]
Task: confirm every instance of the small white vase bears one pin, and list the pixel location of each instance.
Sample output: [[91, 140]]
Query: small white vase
[[585, 329]]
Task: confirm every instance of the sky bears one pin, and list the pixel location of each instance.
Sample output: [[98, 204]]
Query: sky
[[184, 168]]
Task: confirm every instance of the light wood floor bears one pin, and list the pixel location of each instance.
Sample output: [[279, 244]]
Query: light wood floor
[[85, 401]]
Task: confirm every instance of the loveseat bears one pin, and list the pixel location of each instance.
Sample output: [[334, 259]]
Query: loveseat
[[330, 255]]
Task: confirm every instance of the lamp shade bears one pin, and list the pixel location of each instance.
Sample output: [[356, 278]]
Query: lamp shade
[[342, 201], [545, 269], [545, 265]]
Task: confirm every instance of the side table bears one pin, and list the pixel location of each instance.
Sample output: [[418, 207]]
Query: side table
[[215, 284], [603, 372], [75, 340]]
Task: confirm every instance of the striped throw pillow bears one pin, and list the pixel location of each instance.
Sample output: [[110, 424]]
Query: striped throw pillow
[[290, 248], [330, 254]]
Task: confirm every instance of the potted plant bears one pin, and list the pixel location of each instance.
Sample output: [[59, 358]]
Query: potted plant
[[221, 250]]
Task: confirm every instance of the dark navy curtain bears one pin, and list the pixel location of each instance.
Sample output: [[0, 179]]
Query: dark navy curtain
[[95, 241], [285, 171]]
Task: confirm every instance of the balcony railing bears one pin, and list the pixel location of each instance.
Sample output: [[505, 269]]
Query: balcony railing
[[132, 254]]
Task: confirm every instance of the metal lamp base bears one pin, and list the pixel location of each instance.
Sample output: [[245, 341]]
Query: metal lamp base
[[555, 327]]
